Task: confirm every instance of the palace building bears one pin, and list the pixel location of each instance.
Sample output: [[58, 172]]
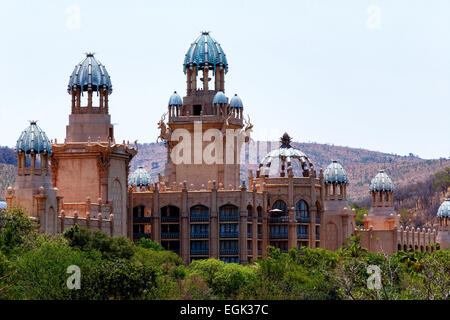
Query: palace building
[[201, 206]]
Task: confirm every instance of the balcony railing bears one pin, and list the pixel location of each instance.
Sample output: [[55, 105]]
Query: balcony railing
[[317, 236], [249, 234], [303, 219], [231, 251], [259, 235], [279, 219], [138, 235], [229, 218], [260, 251], [259, 219], [177, 251], [249, 251], [302, 236], [317, 220], [141, 219], [200, 251], [170, 219], [199, 235], [229, 234], [170, 235], [203, 218], [279, 235], [249, 218]]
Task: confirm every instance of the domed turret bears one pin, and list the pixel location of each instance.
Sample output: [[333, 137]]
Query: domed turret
[[33, 141], [236, 102], [444, 209], [381, 182], [140, 177], [220, 98], [90, 74], [205, 51], [175, 100], [205, 54], [335, 173]]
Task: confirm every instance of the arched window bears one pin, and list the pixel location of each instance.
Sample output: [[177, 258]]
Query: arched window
[[281, 206], [229, 212], [170, 214], [199, 213], [302, 211]]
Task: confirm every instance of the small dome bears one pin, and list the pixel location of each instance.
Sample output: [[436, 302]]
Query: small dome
[[90, 74], [33, 140], [140, 177], [286, 153], [236, 102], [205, 51], [381, 182], [444, 209], [335, 173], [220, 98], [175, 100]]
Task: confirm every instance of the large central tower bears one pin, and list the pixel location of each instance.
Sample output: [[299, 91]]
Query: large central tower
[[204, 117]]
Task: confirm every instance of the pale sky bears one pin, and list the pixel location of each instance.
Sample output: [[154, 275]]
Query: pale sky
[[358, 73]]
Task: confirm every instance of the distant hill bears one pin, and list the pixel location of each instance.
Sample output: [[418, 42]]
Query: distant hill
[[361, 165]]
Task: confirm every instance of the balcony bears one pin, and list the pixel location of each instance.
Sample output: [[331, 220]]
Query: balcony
[[139, 235], [170, 219], [249, 218], [249, 251], [303, 219], [229, 234], [302, 236], [203, 218], [229, 218], [232, 251], [317, 236], [170, 235], [259, 219], [259, 251], [279, 219], [278, 235], [317, 220], [141, 219], [259, 235], [249, 234], [199, 235], [201, 251], [177, 251]]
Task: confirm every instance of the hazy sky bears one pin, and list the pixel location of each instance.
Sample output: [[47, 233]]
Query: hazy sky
[[370, 74]]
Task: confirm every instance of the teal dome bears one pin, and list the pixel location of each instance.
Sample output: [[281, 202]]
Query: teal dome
[[220, 98], [140, 177], [90, 74], [381, 182], [444, 209], [175, 100], [236, 102], [205, 51], [335, 173], [33, 141]]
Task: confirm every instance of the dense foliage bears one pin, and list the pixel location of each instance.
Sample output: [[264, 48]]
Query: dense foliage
[[35, 266]]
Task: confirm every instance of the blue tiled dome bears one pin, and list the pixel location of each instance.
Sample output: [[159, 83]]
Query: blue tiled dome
[[140, 177], [33, 140], [220, 98], [444, 209], [90, 74], [205, 51], [335, 173], [381, 182], [175, 100], [236, 102]]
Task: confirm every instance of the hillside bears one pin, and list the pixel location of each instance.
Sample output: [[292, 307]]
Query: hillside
[[360, 164]]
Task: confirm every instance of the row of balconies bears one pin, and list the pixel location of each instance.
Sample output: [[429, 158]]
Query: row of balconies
[[233, 234], [205, 218]]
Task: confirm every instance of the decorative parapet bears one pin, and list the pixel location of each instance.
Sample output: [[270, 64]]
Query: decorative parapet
[[99, 223]]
